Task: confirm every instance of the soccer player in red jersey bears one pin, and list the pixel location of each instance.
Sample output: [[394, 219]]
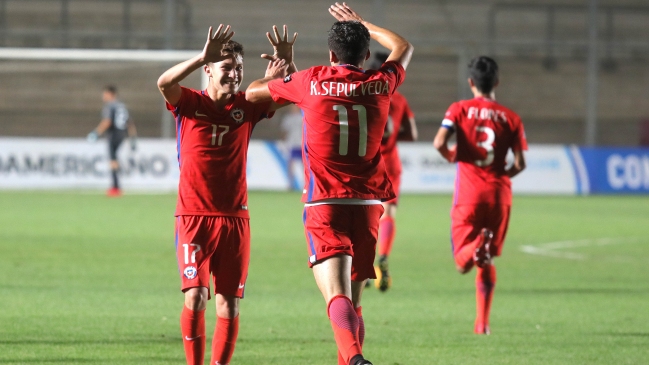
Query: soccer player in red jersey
[[400, 127], [212, 221], [485, 131], [345, 111]]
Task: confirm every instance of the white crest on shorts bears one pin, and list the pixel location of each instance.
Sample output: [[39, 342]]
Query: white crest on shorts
[[237, 115], [190, 272]]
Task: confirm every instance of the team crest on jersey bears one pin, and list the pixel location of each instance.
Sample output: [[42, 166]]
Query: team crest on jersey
[[190, 272], [237, 115]]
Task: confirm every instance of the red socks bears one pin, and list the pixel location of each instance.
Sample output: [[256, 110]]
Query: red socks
[[387, 230], [485, 282], [345, 324], [361, 325], [192, 328], [361, 334], [225, 337]]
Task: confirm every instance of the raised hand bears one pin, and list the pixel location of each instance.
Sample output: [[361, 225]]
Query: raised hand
[[212, 52], [282, 48], [277, 69], [344, 13]]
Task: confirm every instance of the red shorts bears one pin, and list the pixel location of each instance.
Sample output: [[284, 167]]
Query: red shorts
[[337, 229], [468, 220], [216, 245]]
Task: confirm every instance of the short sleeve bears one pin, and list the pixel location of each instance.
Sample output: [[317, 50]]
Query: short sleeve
[[451, 117], [262, 111], [395, 73], [291, 89], [186, 101], [520, 140]]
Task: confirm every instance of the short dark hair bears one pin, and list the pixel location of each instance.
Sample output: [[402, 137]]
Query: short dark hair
[[378, 60], [483, 71], [349, 41], [111, 89], [234, 48]]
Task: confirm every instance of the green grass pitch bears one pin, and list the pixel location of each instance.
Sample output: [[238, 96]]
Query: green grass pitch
[[85, 279]]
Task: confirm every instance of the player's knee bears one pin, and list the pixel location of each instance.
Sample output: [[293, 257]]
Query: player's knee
[[390, 210], [463, 270], [227, 306], [196, 298]]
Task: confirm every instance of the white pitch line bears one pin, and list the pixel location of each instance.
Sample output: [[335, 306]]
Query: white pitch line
[[551, 249]]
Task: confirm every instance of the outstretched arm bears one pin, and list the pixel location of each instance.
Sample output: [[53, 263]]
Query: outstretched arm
[[400, 48], [258, 91], [168, 82], [441, 144]]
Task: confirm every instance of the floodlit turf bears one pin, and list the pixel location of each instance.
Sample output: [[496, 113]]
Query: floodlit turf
[[89, 279]]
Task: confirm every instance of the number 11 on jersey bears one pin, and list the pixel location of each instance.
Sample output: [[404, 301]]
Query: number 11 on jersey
[[343, 121]]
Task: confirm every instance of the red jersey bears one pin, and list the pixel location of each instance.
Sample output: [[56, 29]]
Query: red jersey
[[212, 151], [485, 132], [345, 111], [399, 113]]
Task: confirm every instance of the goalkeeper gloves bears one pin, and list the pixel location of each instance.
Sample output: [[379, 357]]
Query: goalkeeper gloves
[[92, 136]]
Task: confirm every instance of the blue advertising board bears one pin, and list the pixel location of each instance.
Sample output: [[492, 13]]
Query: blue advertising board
[[617, 170]]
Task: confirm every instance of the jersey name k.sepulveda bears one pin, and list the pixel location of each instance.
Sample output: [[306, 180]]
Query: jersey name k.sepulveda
[[331, 88]]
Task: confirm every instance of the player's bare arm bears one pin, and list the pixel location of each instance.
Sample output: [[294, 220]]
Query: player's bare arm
[[400, 48], [519, 164], [168, 83], [258, 91], [103, 126], [132, 131], [408, 131], [441, 144]]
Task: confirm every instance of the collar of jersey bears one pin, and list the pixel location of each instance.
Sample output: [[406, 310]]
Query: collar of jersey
[[484, 99], [352, 67], [227, 106]]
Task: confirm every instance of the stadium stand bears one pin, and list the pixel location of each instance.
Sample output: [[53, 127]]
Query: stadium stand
[[541, 47]]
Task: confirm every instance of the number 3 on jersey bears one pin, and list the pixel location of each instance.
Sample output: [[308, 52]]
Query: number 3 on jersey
[[344, 129], [487, 145]]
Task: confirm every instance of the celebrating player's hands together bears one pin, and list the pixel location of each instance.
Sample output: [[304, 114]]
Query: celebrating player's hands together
[[277, 69], [212, 52], [282, 48], [344, 13]]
